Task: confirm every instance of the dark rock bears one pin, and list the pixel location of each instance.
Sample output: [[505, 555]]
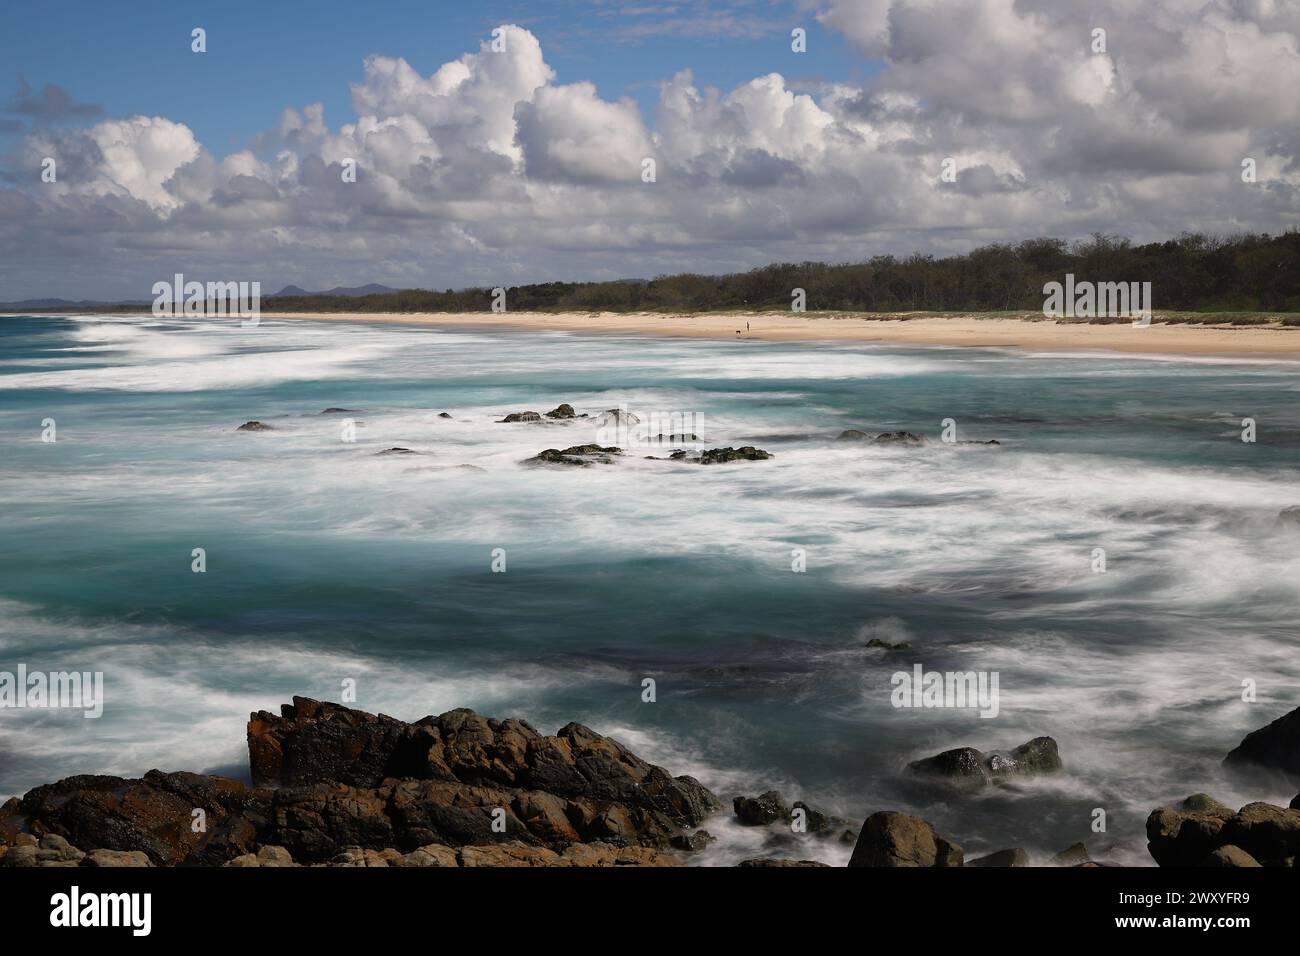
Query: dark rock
[[899, 438], [968, 767], [853, 434], [339, 411], [1295, 802], [900, 646], [892, 839], [1002, 858], [1186, 834], [580, 455], [444, 415], [817, 820], [721, 456], [397, 450], [692, 842], [254, 427], [773, 861], [762, 810], [521, 417], [1274, 749], [1072, 855], [561, 411]]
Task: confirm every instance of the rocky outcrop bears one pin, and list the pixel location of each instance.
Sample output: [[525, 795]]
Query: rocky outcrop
[[579, 455], [1271, 749], [349, 780], [1191, 832], [520, 417], [887, 646], [968, 767], [762, 810], [254, 426], [892, 839], [562, 411]]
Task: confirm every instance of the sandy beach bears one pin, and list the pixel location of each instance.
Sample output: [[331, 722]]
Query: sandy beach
[[948, 331]]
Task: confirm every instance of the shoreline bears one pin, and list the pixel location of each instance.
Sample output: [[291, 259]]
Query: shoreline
[[960, 332]]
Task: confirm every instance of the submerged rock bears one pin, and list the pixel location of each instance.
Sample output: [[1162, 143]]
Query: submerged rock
[[397, 450], [444, 415], [580, 455], [1274, 749], [892, 839], [339, 411], [562, 411], [520, 417], [899, 438], [254, 426], [886, 645], [720, 456]]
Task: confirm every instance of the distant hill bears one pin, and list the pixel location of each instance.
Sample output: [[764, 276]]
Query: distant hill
[[374, 288]]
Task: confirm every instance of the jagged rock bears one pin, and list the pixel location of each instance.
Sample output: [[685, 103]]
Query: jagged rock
[[397, 450], [1275, 748], [520, 417], [254, 426], [357, 779], [893, 839], [692, 842], [1002, 858], [1295, 802], [1229, 856], [762, 810], [116, 858], [152, 814], [580, 455], [773, 861], [561, 411], [971, 768], [721, 456], [1073, 855], [444, 415]]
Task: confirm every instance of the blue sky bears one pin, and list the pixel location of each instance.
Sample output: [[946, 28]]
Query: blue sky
[[263, 57]]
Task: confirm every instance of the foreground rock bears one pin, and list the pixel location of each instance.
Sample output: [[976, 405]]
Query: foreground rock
[[1275, 749], [254, 426], [579, 455], [968, 767], [349, 780], [892, 839], [1200, 831]]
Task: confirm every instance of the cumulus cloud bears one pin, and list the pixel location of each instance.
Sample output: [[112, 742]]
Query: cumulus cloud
[[490, 171]]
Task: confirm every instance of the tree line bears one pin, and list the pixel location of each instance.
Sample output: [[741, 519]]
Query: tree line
[[1195, 272]]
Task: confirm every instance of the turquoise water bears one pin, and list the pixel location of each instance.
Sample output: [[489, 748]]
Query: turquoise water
[[327, 562]]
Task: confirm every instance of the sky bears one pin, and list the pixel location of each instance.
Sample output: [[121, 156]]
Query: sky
[[482, 166]]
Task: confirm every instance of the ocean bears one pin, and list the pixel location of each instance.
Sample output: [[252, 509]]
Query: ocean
[[331, 566]]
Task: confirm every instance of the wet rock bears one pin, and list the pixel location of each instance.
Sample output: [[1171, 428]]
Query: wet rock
[[339, 411], [1186, 834], [762, 810], [1073, 855], [721, 456], [579, 455], [853, 434], [1273, 749], [899, 438], [561, 411], [692, 842], [892, 839], [1002, 858], [397, 450], [970, 768], [444, 415], [773, 861], [520, 417], [1295, 802], [254, 426], [1229, 856], [815, 819]]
